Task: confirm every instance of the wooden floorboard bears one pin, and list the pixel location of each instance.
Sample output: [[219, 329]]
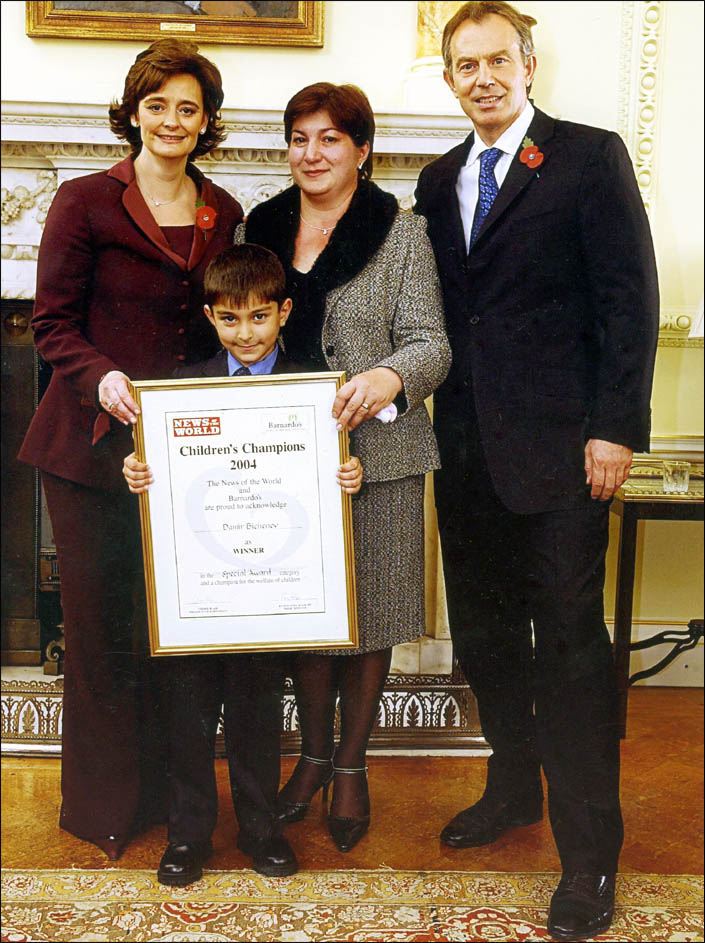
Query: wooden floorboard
[[412, 798]]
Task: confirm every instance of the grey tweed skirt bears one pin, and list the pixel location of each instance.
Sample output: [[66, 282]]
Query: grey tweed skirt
[[388, 530]]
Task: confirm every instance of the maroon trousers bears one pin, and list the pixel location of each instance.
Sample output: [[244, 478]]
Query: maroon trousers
[[113, 775]]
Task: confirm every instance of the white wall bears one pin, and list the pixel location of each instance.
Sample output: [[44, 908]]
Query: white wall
[[369, 43]]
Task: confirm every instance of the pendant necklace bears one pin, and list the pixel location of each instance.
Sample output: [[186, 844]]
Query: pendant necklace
[[318, 228], [160, 202], [327, 229]]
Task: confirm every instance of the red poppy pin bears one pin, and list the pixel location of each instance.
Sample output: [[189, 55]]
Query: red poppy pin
[[205, 217], [531, 155]]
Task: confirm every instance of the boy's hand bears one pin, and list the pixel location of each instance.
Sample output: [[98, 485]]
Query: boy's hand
[[137, 475], [350, 476]]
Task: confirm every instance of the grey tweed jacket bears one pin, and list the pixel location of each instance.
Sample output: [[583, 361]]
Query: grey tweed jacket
[[391, 315]]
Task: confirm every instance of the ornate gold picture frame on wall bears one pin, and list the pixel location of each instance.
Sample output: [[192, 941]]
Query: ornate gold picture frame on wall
[[246, 22]]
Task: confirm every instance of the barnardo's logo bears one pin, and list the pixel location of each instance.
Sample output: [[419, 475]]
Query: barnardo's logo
[[198, 425]]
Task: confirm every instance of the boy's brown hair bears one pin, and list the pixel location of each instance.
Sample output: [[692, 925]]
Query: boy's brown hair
[[244, 274]]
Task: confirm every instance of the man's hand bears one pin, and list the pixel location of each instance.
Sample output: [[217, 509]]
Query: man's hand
[[607, 467]]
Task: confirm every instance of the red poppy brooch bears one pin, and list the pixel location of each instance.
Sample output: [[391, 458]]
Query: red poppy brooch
[[205, 217], [531, 155]]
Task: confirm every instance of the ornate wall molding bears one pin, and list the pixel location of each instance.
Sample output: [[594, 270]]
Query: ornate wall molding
[[416, 712], [270, 158], [46, 143], [16, 201], [20, 253], [675, 327], [643, 24]]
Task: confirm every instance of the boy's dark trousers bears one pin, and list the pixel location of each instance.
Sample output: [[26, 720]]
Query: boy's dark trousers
[[250, 688]]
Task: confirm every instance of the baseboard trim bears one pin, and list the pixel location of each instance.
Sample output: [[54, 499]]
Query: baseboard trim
[[417, 713]]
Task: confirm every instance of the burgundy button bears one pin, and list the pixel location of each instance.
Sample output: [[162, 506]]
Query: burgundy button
[[184, 307], [182, 330], [181, 356], [185, 284]]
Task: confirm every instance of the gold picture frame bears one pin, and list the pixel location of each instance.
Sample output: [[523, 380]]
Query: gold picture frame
[[246, 534], [204, 22]]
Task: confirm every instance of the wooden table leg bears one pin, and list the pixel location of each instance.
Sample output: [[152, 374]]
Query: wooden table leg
[[623, 610]]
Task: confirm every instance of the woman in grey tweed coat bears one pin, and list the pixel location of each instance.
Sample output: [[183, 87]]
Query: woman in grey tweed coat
[[366, 296]]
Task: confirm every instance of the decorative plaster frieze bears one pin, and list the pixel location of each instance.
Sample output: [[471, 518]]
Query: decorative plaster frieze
[[639, 87], [54, 152], [626, 58], [675, 327], [19, 253], [20, 199], [423, 711], [44, 147]]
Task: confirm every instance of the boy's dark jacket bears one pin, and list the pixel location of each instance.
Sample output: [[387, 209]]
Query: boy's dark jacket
[[218, 367]]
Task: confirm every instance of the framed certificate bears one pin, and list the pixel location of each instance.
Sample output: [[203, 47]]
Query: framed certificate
[[246, 533]]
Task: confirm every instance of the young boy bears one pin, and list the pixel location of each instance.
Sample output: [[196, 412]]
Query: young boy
[[245, 291]]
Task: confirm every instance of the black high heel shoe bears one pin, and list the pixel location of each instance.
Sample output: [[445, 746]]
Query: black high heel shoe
[[289, 811], [347, 831]]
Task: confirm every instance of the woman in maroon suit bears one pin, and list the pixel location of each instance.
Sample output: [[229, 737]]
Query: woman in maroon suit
[[120, 296]]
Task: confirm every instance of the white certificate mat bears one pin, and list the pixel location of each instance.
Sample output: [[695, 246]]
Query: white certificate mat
[[247, 535]]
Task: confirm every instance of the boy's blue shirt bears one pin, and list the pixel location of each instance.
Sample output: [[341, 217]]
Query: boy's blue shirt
[[219, 366], [259, 368]]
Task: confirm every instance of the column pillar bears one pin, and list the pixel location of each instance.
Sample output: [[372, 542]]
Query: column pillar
[[425, 91]]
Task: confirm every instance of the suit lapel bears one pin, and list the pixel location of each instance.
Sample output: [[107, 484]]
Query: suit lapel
[[139, 213], [217, 366], [201, 237], [448, 205], [519, 174]]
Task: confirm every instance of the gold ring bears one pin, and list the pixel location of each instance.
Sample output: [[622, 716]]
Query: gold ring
[[112, 407], [364, 406]]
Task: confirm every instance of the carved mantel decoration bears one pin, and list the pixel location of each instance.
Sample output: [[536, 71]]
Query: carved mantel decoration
[[45, 144]]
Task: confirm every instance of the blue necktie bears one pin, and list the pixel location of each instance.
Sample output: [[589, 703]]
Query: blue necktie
[[243, 372], [488, 189]]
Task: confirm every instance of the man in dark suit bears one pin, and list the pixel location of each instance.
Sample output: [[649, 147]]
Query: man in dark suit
[[548, 271]]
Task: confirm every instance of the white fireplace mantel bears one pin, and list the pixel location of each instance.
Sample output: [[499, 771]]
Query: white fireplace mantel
[[44, 144]]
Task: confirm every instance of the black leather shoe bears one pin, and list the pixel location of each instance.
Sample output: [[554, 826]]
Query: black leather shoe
[[271, 856], [582, 906], [289, 810], [183, 864], [347, 832], [484, 822]]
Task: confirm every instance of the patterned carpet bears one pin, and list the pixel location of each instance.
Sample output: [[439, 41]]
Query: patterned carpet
[[388, 906]]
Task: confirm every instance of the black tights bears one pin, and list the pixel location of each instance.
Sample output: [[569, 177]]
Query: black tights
[[318, 680]]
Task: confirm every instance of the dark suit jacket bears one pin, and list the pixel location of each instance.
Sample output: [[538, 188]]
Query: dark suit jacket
[[218, 367], [552, 318], [112, 295]]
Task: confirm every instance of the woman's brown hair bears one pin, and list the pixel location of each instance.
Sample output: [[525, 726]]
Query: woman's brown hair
[[349, 110], [150, 70]]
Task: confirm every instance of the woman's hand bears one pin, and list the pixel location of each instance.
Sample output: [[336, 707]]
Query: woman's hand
[[114, 396], [362, 397], [137, 475], [350, 476]]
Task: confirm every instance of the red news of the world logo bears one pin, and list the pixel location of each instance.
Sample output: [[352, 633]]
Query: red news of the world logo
[[199, 425]]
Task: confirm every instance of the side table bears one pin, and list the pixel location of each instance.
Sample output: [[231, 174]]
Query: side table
[[642, 499]]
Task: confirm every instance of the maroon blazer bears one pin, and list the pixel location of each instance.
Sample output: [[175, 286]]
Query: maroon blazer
[[112, 295]]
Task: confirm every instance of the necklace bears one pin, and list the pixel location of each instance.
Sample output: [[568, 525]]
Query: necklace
[[318, 228], [327, 229], [160, 202]]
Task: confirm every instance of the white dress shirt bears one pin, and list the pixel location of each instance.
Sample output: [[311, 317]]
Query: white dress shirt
[[468, 183]]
